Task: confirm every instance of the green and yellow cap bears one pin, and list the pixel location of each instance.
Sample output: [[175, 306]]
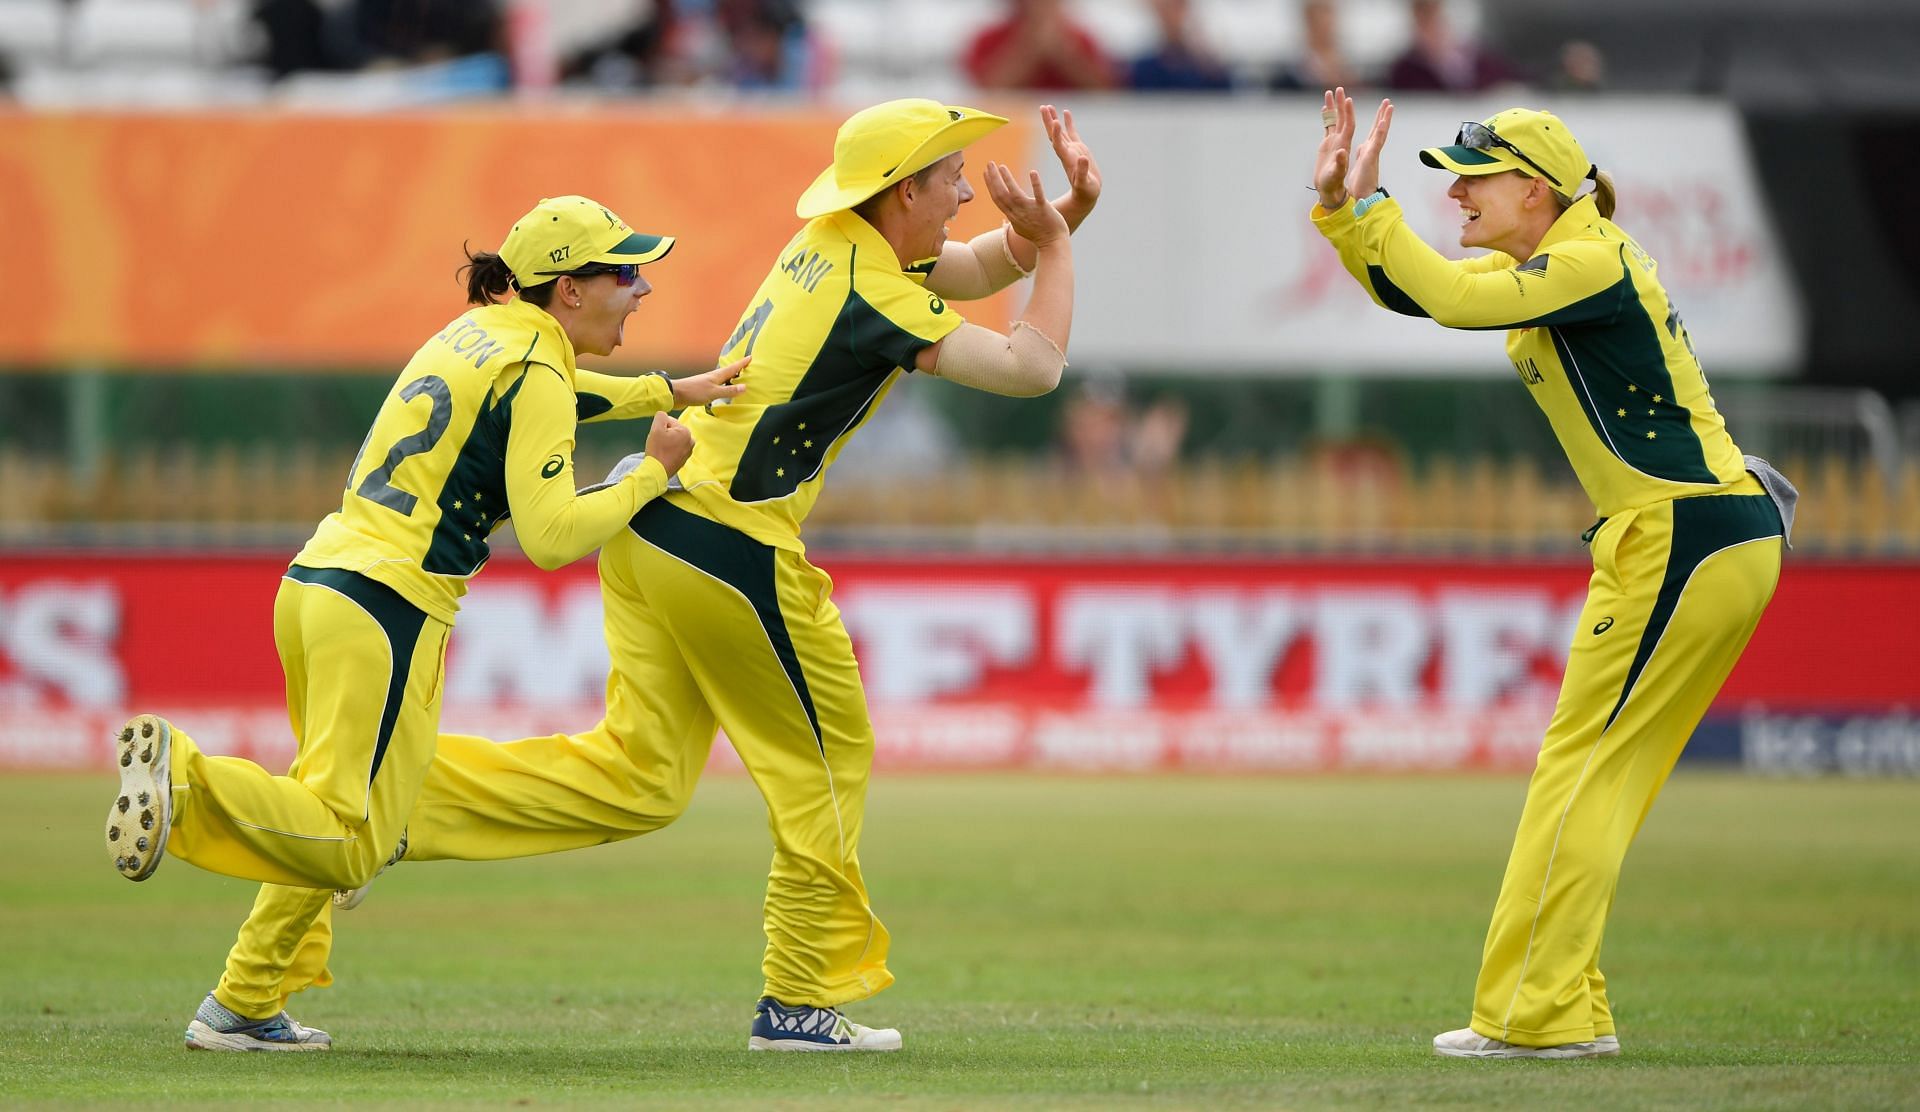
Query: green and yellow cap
[[878, 146], [563, 234], [1522, 139]]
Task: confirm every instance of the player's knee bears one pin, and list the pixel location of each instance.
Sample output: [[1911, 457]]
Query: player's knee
[[361, 863]]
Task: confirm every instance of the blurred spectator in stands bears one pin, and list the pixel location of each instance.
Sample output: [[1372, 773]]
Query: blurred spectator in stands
[[1322, 65], [1180, 60], [411, 32], [746, 44], [6, 78], [1583, 69], [768, 46], [303, 35], [1038, 47], [1103, 440], [653, 51], [1439, 60]]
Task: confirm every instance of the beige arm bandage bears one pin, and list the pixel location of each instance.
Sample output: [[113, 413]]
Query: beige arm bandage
[[982, 266], [1025, 364]]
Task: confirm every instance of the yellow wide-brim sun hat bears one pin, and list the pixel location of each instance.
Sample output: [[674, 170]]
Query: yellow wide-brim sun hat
[[1549, 150], [879, 146]]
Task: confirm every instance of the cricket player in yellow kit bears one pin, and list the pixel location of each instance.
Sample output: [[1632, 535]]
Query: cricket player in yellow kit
[[1685, 556], [715, 617], [479, 425]]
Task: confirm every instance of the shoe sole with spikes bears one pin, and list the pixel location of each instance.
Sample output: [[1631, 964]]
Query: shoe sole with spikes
[[142, 813]]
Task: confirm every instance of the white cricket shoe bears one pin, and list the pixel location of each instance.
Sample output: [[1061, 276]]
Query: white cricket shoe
[[778, 1026], [1468, 1043], [216, 1028], [142, 814], [1607, 1046]]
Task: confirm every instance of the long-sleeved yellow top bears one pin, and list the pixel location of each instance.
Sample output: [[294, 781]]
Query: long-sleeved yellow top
[[1591, 333], [480, 425]]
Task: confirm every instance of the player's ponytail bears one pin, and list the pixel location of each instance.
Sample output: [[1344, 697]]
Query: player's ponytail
[[1603, 195], [487, 276]]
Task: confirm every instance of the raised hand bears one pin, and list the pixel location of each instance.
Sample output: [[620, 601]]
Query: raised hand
[[1083, 173], [1364, 178], [714, 385], [1330, 161], [1028, 210]]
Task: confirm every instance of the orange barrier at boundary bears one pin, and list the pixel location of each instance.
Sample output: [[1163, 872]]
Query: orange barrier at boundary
[[243, 240]]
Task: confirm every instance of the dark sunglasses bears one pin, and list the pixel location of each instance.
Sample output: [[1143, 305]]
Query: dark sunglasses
[[1480, 137], [624, 274]]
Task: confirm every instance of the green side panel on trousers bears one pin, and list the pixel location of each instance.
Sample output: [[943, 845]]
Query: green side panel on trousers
[[1701, 527], [740, 562], [399, 619]]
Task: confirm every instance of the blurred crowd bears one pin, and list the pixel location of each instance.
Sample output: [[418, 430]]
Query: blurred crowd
[[773, 45], [745, 44]]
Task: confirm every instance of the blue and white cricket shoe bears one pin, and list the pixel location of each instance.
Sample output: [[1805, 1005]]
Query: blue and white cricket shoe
[[778, 1026], [216, 1028]]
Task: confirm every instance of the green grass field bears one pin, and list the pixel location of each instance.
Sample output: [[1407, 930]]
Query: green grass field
[[1060, 943]]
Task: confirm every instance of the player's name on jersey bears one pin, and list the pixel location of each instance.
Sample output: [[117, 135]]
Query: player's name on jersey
[[469, 341], [807, 268]]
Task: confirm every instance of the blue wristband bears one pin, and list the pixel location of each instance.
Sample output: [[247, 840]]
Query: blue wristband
[[1361, 206]]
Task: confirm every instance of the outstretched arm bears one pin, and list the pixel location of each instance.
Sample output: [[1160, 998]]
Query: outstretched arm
[[1401, 272], [601, 397]]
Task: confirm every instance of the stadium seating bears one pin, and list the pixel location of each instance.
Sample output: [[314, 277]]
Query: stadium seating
[[1367, 500]]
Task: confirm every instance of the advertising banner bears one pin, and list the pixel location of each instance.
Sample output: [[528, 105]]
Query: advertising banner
[[274, 239], [1120, 665], [1204, 257]]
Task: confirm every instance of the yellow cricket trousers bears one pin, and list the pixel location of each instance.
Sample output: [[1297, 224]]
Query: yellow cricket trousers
[[704, 626], [363, 670], [1677, 589]]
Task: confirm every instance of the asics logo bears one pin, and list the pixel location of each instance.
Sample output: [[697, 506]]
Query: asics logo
[[553, 466]]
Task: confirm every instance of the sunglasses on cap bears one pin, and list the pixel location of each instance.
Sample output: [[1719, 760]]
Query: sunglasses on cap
[[624, 274], [1479, 137]]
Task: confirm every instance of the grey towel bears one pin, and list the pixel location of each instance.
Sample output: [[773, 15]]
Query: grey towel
[[625, 467], [620, 471], [1785, 496]]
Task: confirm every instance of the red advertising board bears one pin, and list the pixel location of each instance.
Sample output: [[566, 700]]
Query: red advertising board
[[1124, 664]]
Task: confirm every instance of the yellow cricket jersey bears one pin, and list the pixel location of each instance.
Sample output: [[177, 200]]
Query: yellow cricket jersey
[[1593, 336], [480, 425], [829, 330]]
